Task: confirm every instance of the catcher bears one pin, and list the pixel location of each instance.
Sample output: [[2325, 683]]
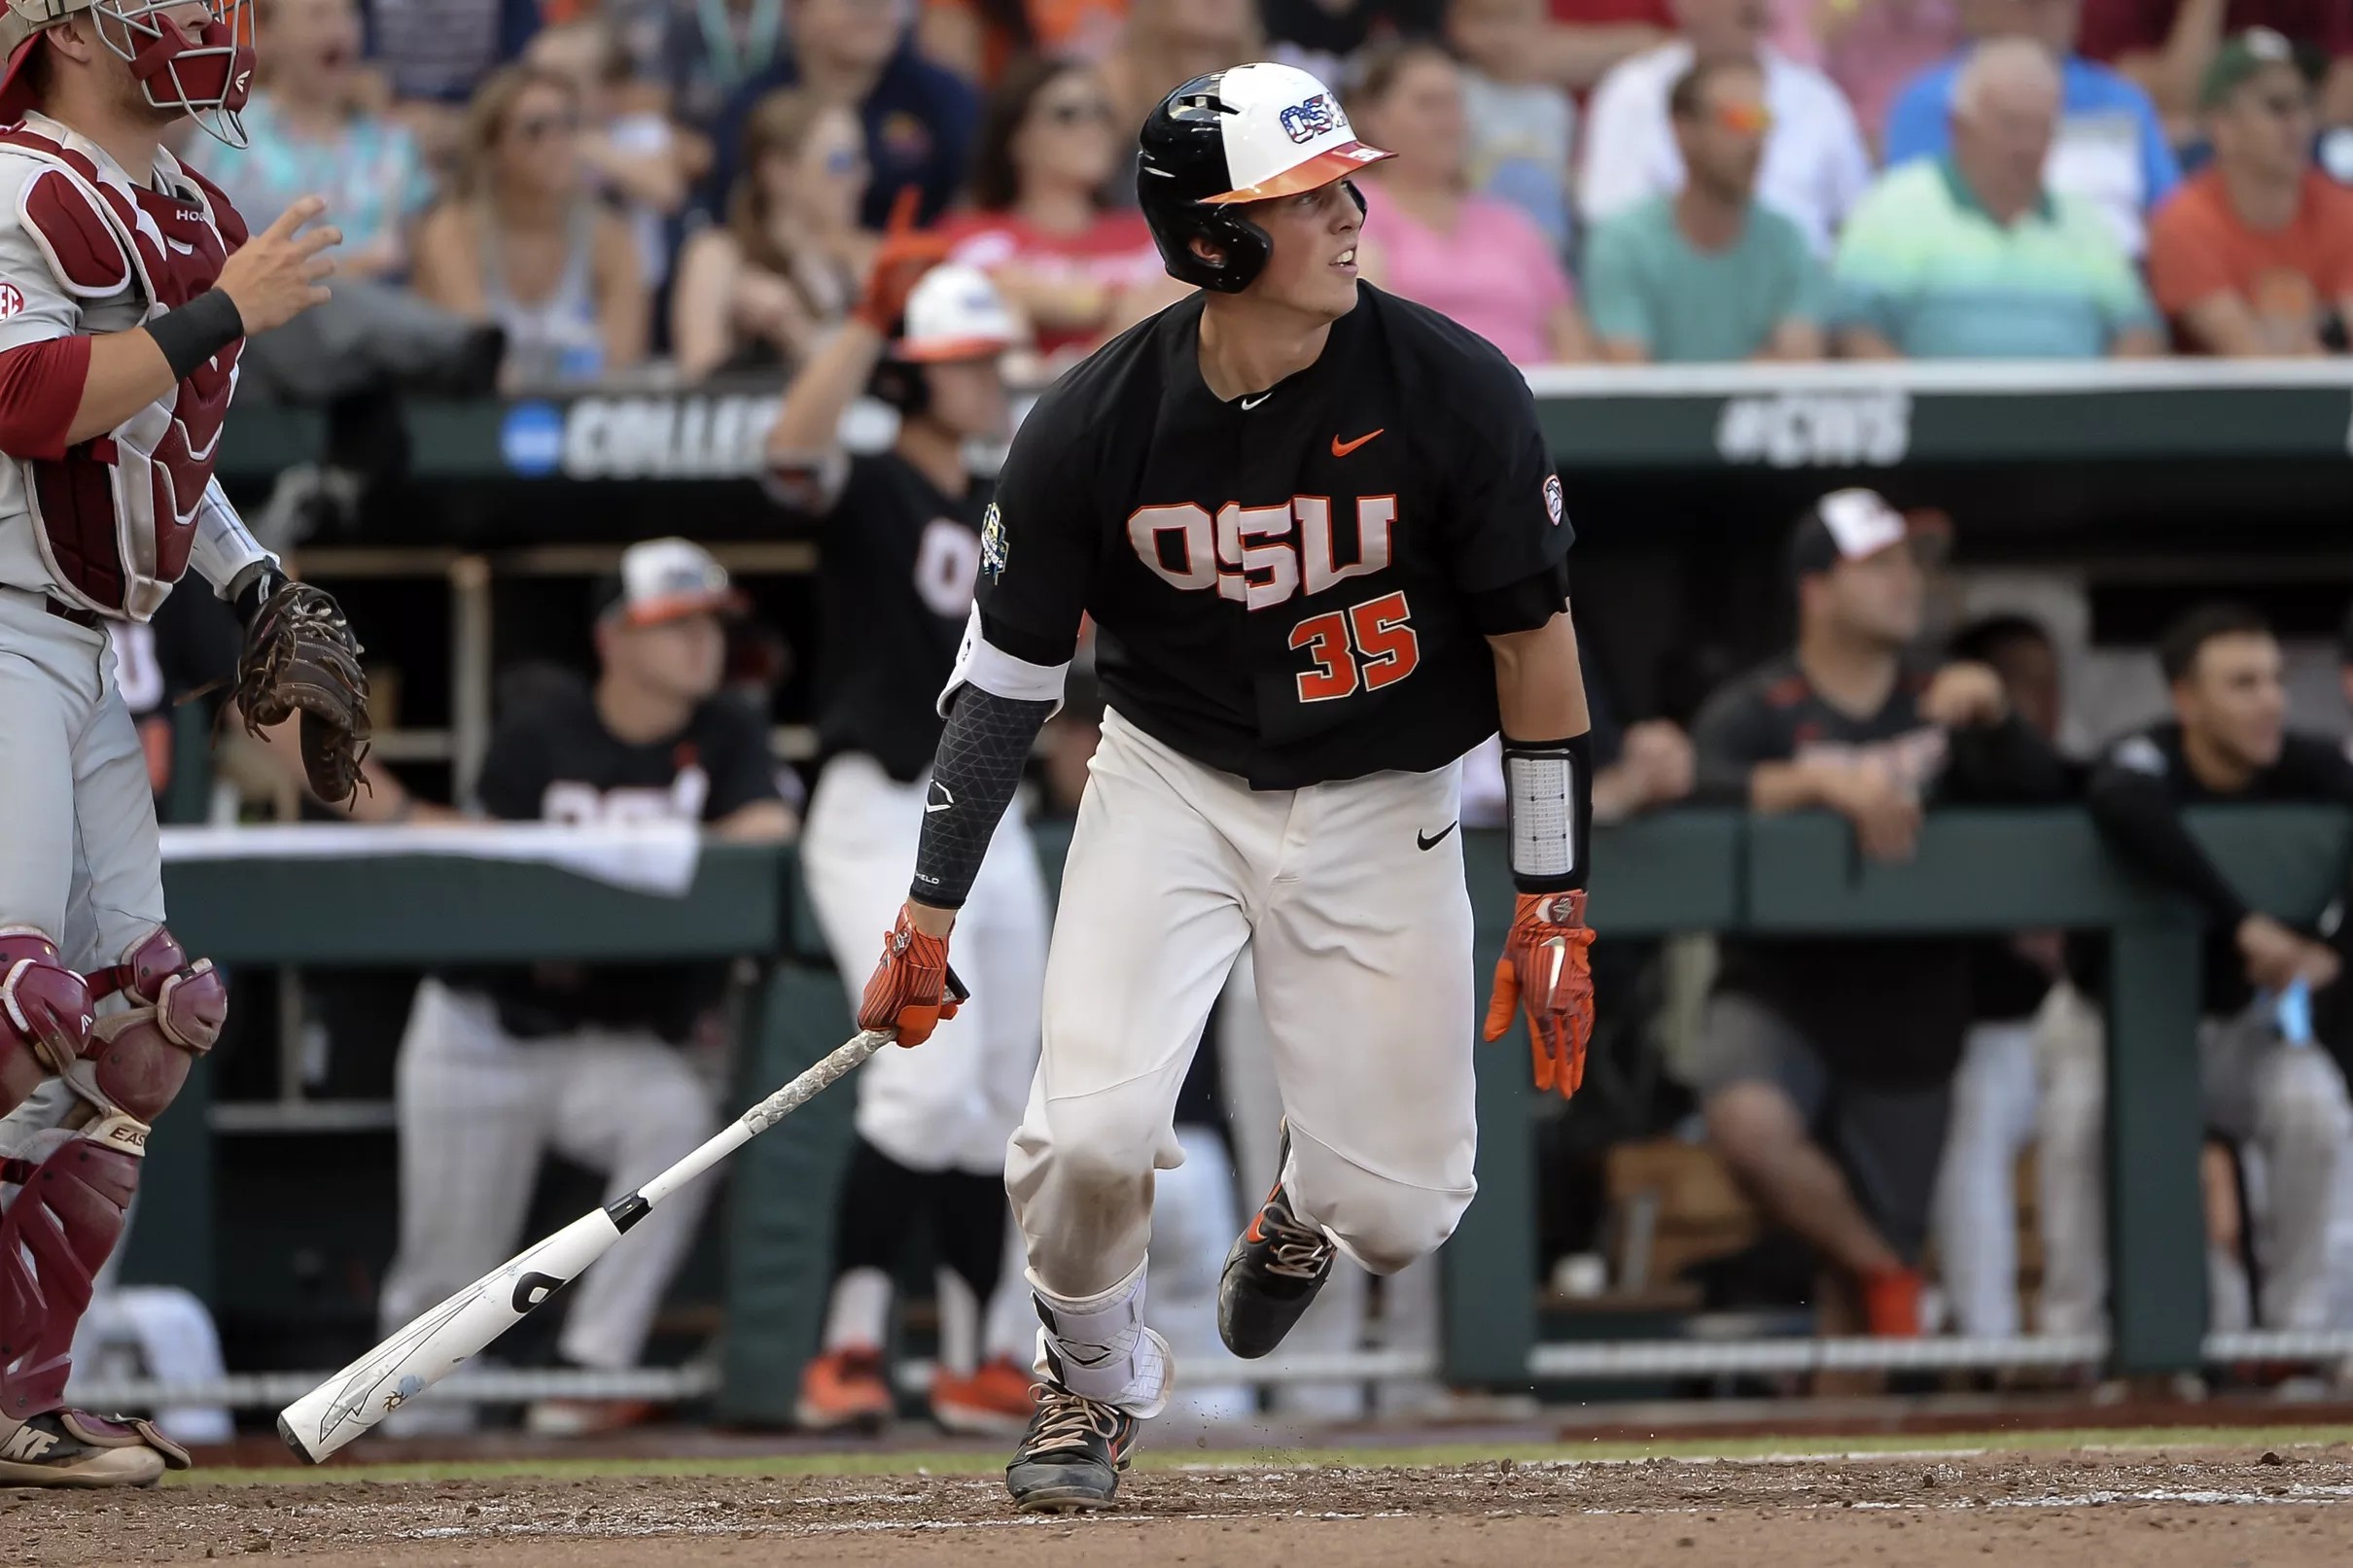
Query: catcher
[[127, 286]]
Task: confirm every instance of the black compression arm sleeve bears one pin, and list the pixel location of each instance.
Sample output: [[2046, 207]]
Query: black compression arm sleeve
[[974, 777], [2144, 824]]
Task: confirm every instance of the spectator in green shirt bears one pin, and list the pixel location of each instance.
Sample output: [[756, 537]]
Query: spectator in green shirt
[[1970, 255], [1708, 274]]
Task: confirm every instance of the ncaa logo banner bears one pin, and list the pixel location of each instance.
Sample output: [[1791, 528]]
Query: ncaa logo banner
[[1305, 122]]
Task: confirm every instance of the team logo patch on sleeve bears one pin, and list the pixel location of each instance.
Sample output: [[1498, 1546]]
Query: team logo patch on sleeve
[[11, 299], [1551, 498], [993, 543], [1305, 122]]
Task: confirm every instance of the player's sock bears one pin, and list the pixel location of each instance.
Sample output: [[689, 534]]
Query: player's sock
[[860, 1312], [959, 1325], [1097, 1347]]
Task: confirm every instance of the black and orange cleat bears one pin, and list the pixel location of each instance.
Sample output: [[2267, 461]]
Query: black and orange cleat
[[1070, 1459], [1272, 1273]]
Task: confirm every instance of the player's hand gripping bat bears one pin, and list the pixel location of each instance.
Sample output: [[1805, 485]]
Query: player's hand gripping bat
[[446, 1336]]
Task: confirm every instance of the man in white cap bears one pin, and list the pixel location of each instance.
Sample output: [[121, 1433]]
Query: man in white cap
[[1824, 1064], [127, 286], [498, 1066], [902, 540]]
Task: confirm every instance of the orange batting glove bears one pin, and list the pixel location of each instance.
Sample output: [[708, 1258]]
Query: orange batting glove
[[904, 256], [912, 988], [1546, 971]]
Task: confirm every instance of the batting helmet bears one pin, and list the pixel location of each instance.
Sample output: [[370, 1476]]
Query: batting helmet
[[1235, 137], [206, 74]]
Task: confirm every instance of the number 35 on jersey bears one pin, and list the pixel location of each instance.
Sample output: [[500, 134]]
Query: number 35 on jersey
[[1263, 556]]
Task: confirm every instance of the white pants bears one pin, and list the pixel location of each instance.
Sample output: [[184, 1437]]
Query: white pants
[[1975, 1215], [1363, 945], [952, 1105], [2287, 1104], [82, 861], [478, 1109]]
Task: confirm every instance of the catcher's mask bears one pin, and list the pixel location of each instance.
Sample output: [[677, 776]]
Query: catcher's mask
[[205, 74]]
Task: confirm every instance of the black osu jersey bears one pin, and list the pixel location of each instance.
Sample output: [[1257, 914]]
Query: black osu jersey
[[552, 759], [897, 564], [1294, 587]]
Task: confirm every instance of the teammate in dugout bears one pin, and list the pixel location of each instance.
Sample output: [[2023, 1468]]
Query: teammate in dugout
[[901, 547], [1323, 548], [128, 284], [498, 1066]]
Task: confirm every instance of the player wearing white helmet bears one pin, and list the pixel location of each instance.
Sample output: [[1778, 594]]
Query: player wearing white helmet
[[128, 284], [1318, 533], [900, 542]]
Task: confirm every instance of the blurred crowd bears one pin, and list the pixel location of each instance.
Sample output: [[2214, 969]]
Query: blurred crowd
[[675, 189]]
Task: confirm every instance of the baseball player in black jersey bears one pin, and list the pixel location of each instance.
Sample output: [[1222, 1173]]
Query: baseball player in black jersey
[[1323, 545], [899, 546], [498, 1066]]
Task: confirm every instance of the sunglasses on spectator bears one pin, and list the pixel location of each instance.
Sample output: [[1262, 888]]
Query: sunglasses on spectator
[[1093, 110], [1744, 119], [541, 127]]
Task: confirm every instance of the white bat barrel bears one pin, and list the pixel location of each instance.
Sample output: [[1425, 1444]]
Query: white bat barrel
[[444, 1337], [441, 1341]]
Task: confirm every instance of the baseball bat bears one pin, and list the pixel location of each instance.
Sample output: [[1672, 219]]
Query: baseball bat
[[444, 1336]]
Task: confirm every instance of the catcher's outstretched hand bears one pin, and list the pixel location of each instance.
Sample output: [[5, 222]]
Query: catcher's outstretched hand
[[300, 656], [912, 989], [1546, 972], [906, 254]]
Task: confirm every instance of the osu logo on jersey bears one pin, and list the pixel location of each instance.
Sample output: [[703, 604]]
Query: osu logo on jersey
[[1305, 122], [1248, 553]]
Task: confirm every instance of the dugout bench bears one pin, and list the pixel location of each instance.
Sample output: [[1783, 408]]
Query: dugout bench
[[1976, 871]]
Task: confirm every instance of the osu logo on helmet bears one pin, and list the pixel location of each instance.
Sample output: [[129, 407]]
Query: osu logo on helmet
[[1305, 122]]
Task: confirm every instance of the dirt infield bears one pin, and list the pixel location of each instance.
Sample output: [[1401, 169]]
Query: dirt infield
[[2210, 1508]]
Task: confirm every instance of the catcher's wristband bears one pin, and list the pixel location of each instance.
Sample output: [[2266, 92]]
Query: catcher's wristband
[[197, 331], [1548, 811], [252, 589]]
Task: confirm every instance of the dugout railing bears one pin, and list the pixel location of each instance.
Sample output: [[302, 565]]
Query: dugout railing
[[1976, 871]]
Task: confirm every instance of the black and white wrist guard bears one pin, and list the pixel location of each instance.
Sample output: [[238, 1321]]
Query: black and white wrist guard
[[1548, 810]]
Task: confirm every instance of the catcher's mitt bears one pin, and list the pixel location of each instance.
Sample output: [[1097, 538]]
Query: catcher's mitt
[[299, 655]]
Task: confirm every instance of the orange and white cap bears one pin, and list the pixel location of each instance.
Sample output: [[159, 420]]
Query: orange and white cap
[[954, 312], [1285, 133], [662, 579]]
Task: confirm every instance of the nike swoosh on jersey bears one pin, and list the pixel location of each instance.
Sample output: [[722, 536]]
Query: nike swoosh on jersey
[[941, 804], [1432, 841], [1248, 403], [1340, 448]]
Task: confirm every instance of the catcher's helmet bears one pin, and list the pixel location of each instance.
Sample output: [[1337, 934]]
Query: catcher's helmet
[[1239, 135], [205, 74]]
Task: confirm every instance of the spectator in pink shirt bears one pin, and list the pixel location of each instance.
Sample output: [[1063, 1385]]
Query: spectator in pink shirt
[[1428, 238]]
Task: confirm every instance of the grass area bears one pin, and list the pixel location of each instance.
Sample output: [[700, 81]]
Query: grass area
[[968, 1462]]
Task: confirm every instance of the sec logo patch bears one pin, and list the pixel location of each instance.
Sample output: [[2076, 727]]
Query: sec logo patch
[[11, 299], [1551, 498]]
